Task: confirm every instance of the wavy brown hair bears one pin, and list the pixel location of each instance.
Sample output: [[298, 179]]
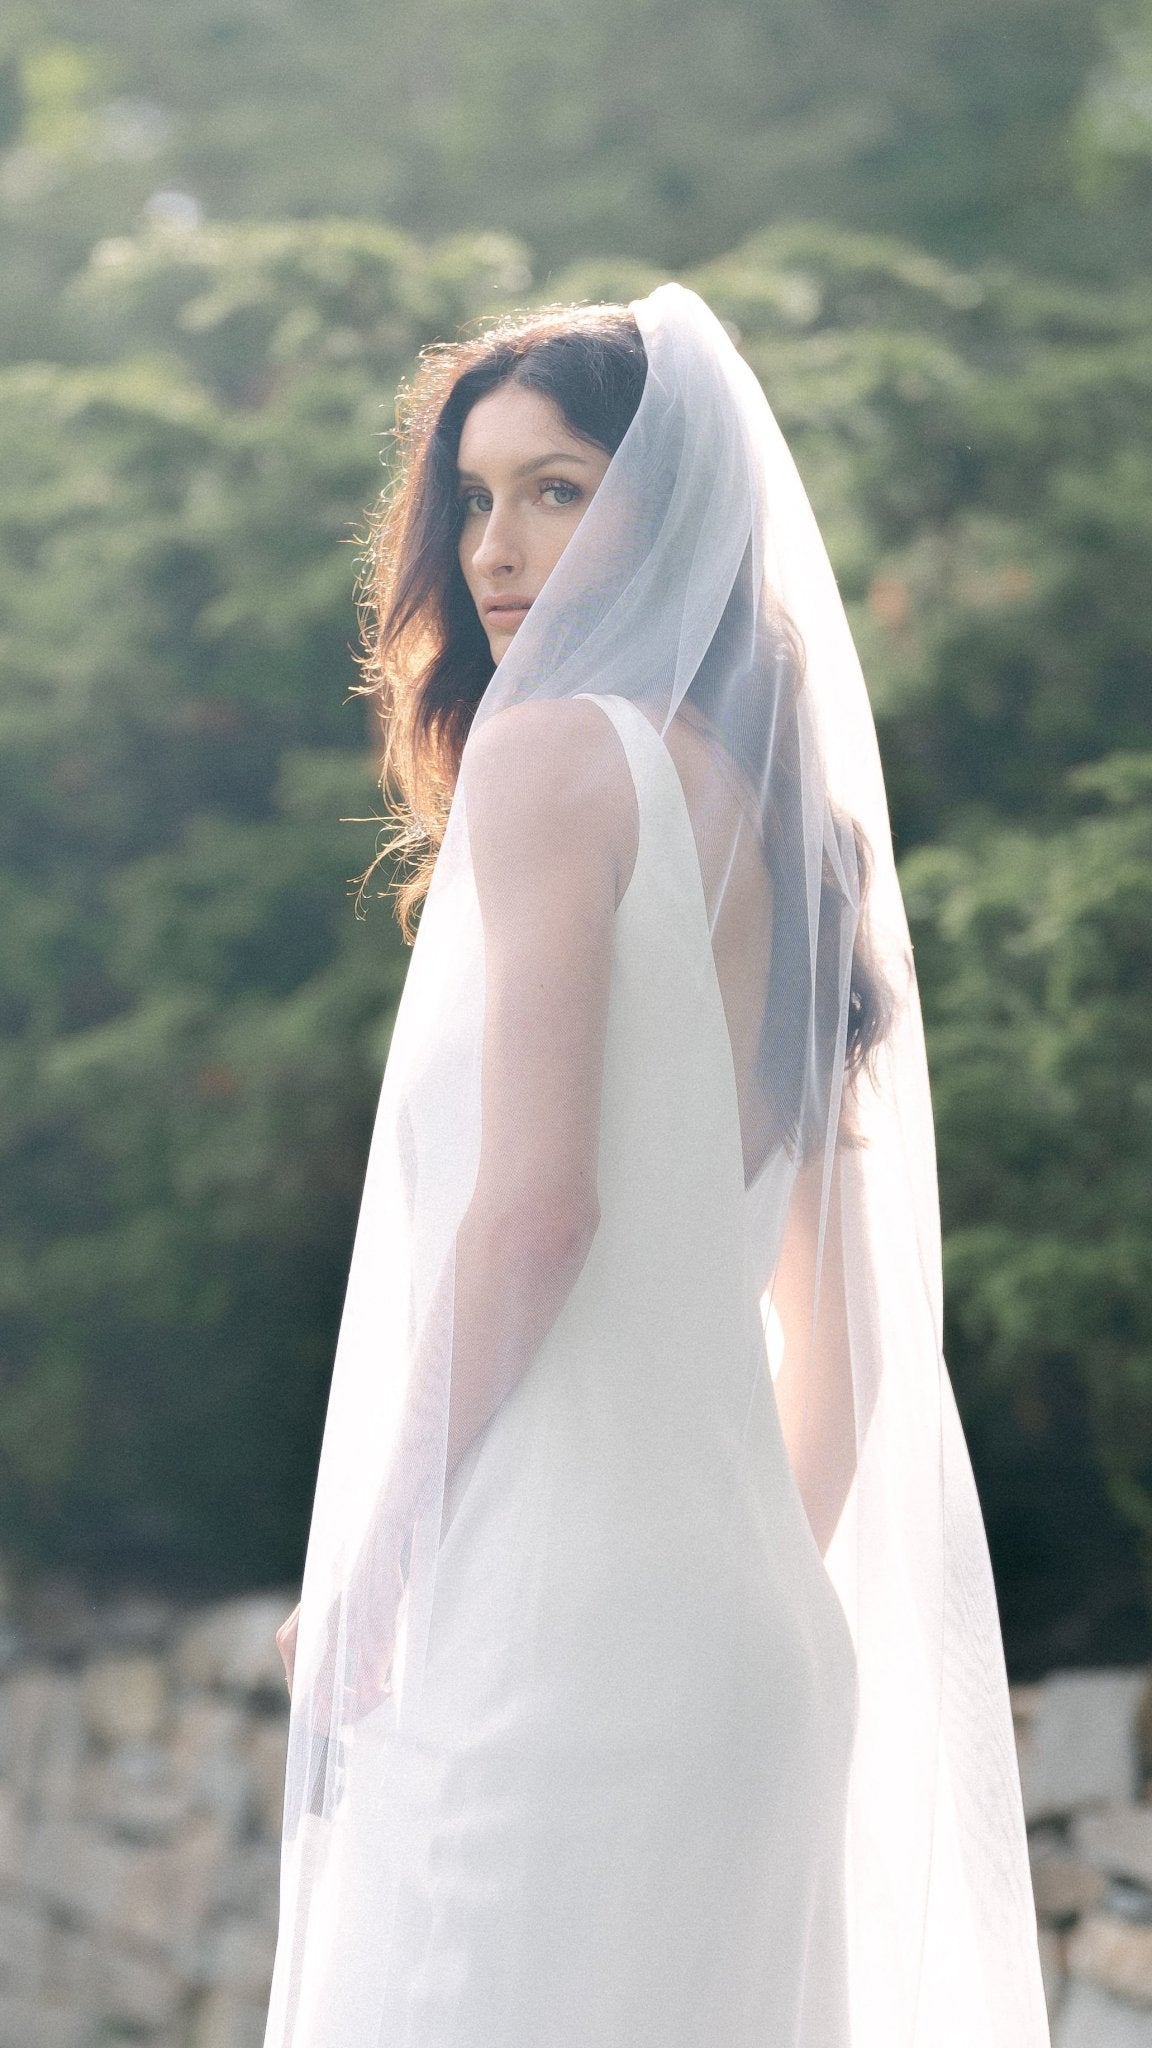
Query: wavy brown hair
[[427, 660]]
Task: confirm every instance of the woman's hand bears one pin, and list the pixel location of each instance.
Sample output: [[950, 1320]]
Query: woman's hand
[[286, 1644], [374, 1673]]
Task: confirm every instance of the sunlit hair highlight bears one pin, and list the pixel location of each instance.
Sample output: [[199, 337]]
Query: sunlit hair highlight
[[427, 661]]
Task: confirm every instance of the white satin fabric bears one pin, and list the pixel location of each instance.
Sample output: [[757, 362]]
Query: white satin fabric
[[624, 1823], [699, 1732]]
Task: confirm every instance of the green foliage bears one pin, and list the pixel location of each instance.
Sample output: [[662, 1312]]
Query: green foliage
[[655, 130], [194, 1022], [1112, 135], [1036, 952], [194, 1027], [930, 230]]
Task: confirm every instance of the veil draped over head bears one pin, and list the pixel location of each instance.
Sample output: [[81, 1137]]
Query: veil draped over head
[[697, 587]]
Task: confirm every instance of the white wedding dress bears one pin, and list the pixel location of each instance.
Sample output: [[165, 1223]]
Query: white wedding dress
[[622, 1825]]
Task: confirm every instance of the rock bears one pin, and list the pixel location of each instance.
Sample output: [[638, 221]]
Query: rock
[[251, 1882], [23, 1949], [238, 1959], [1129, 1901], [171, 1893], [113, 1988], [42, 1739], [1116, 1955], [1117, 1839], [1144, 1732], [209, 1766], [1025, 1701], [1091, 2018], [1051, 1966], [13, 1838], [156, 1897], [233, 1647], [132, 1793], [81, 1872], [1082, 1749], [138, 1621], [59, 1618], [1063, 1886], [124, 1698], [266, 1750], [223, 2021], [28, 2024]]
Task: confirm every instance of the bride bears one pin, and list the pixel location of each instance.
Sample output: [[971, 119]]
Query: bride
[[647, 1682]]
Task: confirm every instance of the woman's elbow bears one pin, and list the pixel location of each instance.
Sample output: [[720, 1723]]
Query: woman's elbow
[[543, 1231]]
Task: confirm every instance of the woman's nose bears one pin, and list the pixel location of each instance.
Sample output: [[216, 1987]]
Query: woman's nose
[[496, 548]]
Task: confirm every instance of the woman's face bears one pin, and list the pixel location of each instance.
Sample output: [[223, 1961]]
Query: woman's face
[[525, 481]]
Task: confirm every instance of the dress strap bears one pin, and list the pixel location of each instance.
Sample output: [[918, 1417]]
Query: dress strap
[[640, 747], [660, 799]]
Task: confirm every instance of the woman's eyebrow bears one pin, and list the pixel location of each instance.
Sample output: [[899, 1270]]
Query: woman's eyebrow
[[469, 476]]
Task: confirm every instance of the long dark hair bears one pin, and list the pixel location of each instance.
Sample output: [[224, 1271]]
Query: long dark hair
[[427, 660]]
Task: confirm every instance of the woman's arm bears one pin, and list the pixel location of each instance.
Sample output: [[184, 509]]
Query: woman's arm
[[552, 823], [553, 829], [814, 1386]]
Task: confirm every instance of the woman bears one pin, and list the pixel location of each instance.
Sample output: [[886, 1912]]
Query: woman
[[649, 1690]]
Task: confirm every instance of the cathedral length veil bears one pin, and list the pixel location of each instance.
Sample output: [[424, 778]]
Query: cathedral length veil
[[675, 592]]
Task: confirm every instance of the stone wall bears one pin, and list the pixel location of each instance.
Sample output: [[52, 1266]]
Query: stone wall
[[1085, 1745], [141, 1763], [141, 1769]]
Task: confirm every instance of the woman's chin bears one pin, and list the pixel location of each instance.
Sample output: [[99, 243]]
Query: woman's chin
[[500, 641]]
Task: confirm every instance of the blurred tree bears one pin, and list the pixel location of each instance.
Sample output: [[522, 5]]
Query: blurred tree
[[1036, 952], [1112, 135], [977, 449], [655, 130], [194, 1025]]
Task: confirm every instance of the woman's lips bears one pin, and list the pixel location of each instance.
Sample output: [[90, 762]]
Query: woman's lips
[[507, 608]]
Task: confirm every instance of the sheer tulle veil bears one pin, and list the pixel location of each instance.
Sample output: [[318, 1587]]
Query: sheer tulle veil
[[697, 587]]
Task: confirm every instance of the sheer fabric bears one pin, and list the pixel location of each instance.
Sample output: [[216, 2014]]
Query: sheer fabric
[[676, 756]]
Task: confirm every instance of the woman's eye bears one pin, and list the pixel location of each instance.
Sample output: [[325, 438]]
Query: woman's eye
[[565, 494], [475, 501]]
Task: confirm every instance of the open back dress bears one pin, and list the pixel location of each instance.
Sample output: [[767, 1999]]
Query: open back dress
[[623, 1826]]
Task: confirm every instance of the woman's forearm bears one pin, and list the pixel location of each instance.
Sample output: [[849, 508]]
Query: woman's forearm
[[517, 1262], [514, 1265]]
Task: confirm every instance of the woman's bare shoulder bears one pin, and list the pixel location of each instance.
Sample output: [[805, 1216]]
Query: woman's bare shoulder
[[552, 770], [543, 726], [563, 747]]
